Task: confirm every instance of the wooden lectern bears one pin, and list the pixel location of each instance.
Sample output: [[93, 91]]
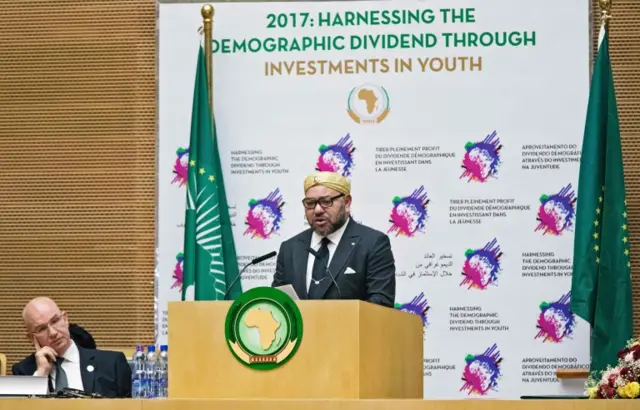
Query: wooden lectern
[[349, 350]]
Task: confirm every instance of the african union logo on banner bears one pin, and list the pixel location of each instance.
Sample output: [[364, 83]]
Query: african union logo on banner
[[337, 157], [482, 266], [482, 159], [556, 321], [368, 104], [264, 216], [263, 328], [180, 167], [557, 212], [409, 213], [482, 372]]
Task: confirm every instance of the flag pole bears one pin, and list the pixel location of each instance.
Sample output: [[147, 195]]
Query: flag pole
[[207, 21], [605, 10]]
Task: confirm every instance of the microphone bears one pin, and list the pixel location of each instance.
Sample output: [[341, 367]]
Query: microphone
[[67, 392], [254, 261], [262, 258], [317, 256]]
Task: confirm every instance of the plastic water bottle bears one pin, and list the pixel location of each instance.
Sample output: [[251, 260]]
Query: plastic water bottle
[[162, 373], [138, 374], [150, 372]]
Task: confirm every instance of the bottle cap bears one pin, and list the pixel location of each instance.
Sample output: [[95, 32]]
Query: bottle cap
[[139, 348], [151, 348], [163, 348]]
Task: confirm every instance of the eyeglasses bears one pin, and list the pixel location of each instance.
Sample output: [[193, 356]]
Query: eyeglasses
[[325, 201], [56, 322]]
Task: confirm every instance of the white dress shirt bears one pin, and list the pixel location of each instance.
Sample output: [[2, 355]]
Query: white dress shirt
[[316, 240], [71, 366]]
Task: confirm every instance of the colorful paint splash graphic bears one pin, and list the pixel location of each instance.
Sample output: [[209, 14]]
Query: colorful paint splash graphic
[[417, 306], [482, 266], [177, 272], [409, 213], [337, 157], [557, 212], [481, 159], [482, 372], [264, 216], [556, 321], [181, 167]]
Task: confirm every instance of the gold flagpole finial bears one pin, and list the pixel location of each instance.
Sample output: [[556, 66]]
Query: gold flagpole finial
[[605, 9], [207, 23], [207, 11]]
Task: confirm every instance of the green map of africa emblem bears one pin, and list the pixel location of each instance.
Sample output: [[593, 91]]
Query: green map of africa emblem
[[263, 328]]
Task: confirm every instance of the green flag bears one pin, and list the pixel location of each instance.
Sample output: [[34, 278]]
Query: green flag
[[601, 282], [210, 262]]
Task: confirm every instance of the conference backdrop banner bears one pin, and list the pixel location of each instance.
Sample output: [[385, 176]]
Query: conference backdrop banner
[[459, 124]]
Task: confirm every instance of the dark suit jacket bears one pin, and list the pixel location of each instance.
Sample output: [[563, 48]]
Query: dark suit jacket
[[363, 249], [111, 376]]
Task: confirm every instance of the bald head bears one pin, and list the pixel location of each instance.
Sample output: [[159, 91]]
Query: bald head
[[47, 324], [38, 306]]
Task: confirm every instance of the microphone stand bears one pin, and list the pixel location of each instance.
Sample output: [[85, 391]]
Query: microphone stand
[[236, 279], [254, 261]]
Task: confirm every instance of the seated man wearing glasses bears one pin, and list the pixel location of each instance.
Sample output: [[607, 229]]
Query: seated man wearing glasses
[[66, 364], [336, 258]]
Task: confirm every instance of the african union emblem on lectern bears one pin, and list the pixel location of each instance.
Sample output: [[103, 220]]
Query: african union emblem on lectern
[[263, 328]]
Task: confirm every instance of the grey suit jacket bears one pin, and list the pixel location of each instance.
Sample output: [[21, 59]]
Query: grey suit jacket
[[365, 250]]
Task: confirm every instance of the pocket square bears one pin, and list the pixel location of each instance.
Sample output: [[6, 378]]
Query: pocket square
[[349, 271]]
